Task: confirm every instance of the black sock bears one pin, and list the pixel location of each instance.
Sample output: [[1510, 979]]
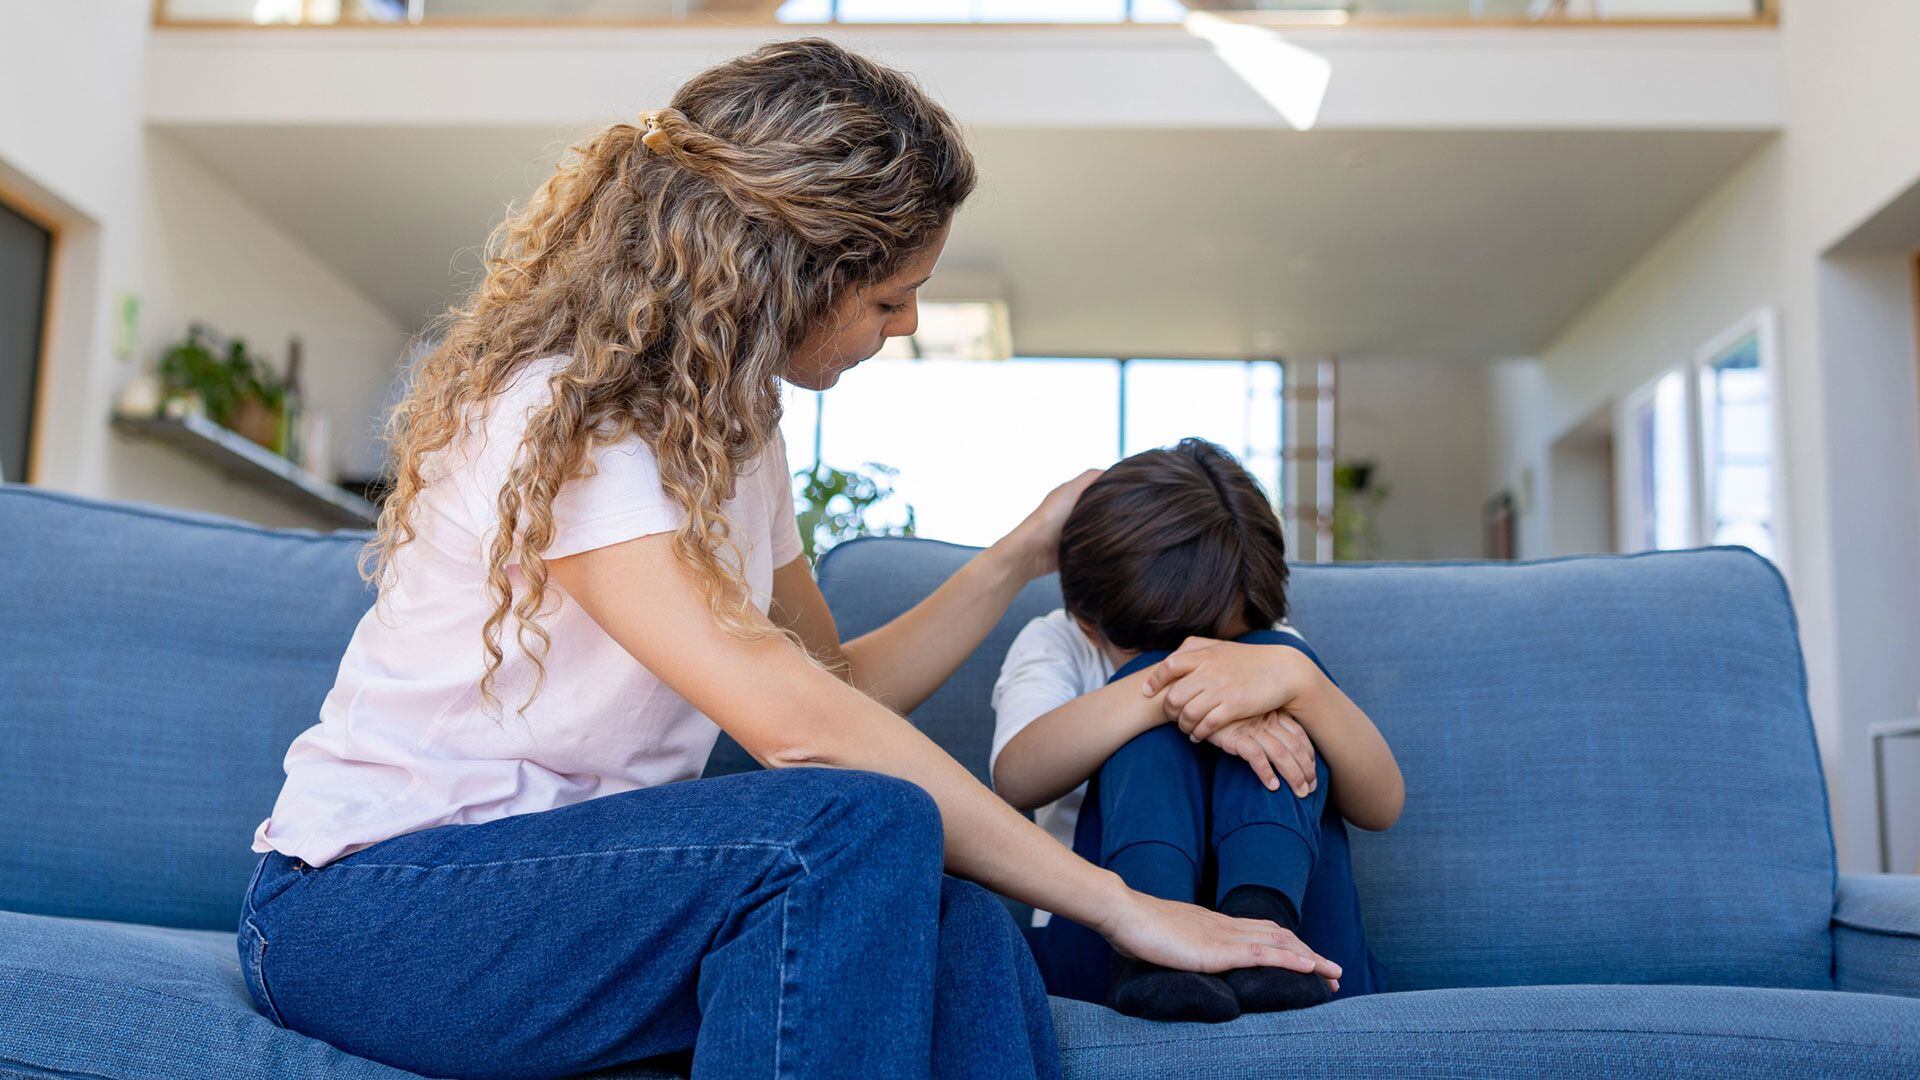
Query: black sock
[[1157, 993], [1270, 989]]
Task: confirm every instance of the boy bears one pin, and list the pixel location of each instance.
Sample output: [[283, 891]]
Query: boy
[[1151, 723]]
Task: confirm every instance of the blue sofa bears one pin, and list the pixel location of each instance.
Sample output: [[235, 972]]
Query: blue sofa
[[1615, 855]]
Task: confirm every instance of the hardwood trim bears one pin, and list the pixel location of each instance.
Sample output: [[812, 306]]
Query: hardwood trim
[[1916, 317], [1767, 18], [22, 204]]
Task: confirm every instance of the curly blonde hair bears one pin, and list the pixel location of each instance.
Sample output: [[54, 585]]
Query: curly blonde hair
[[677, 263]]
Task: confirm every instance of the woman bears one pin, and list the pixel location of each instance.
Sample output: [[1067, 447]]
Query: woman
[[481, 863]]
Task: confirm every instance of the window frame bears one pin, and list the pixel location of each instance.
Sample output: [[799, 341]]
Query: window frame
[[1763, 325]]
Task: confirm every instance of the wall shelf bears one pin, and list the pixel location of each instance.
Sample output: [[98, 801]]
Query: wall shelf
[[250, 463]]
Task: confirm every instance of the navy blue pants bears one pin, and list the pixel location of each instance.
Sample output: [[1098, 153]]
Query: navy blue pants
[[1184, 821]]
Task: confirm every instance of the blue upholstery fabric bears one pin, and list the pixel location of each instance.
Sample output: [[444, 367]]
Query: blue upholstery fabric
[[153, 668], [1583, 742], [86, 998], [1611, 779], [1876, 934], [103, 999], [1736, 1033]]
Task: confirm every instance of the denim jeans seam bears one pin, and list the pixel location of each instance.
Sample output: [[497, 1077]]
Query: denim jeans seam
[[257, 957], [787, 848], [253, 883], [780, 1003]]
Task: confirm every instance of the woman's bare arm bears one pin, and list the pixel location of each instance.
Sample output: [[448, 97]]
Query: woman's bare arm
[[786, 711], [902, 663]]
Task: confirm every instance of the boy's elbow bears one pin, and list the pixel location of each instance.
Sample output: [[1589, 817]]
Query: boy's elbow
[[1381, 817], [1008, 788]]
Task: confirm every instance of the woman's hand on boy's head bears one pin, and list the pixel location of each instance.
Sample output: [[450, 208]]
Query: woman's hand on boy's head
[[1037, 538]]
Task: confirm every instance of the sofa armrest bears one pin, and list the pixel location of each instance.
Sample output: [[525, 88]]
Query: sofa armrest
[[1876, 934]]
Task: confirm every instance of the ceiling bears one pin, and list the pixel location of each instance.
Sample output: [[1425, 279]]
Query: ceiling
[[1446, 245]]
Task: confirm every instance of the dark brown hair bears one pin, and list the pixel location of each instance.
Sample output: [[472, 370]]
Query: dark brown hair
[[1170, 544]]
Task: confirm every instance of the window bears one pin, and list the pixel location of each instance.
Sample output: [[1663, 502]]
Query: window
[[1698, 461], [1736, 438], [1658, 507], [978, 444], [1235, 403]]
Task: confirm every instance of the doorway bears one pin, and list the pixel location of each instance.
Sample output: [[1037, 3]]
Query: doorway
[[26, 255], [1580, 515]]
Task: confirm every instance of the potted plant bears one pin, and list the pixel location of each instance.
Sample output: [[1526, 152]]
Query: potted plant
[[834, 504], [231, 387], [1356, 495]]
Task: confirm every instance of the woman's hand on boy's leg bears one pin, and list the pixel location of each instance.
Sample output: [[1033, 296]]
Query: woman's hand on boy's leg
[[1275, 746], [1211, 683], [1192, 938]]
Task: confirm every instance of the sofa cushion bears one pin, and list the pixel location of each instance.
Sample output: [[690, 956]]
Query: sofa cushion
[[1521, 1031], [1610, 767], [101, 999], [88, 998], [958, 716], [154, 667]]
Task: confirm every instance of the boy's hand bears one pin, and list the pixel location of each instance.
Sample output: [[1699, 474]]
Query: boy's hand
[[1210, 683], [1276, 747]]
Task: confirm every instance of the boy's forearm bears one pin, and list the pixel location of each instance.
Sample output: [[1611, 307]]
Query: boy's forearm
[[1371, 790], [1060, 750]]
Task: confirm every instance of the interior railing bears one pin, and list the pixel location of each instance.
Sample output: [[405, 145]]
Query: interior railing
[[1014, 12]]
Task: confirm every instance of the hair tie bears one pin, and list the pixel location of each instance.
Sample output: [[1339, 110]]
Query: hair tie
[[653, 136]]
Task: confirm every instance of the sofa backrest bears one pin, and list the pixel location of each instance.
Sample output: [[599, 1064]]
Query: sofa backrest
[[154, 667], [1610, 767], [1611, 773]]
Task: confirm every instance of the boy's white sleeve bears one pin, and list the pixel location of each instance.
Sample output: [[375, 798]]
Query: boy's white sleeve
[[1038, 676]]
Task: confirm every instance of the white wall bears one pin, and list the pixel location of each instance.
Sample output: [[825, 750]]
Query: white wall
[[1233, 76], [137, 216], [209, 256], [1847, 369], [1425, 423]]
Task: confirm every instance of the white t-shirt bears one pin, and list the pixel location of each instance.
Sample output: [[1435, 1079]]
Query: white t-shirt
[[404, 742], [1050, 662]]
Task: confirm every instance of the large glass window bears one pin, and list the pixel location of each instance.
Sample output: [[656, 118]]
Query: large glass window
[[978, 444], [1699, 460], [1235, 403], [1736, 427]]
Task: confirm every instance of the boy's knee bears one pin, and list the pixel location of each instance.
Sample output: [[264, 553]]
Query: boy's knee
[[1156, 744]]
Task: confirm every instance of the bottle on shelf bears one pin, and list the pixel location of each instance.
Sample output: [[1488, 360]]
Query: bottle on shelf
[[293, 414]]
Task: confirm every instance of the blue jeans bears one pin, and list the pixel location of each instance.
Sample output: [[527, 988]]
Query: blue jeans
[[792, 922], [1184, 821]]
